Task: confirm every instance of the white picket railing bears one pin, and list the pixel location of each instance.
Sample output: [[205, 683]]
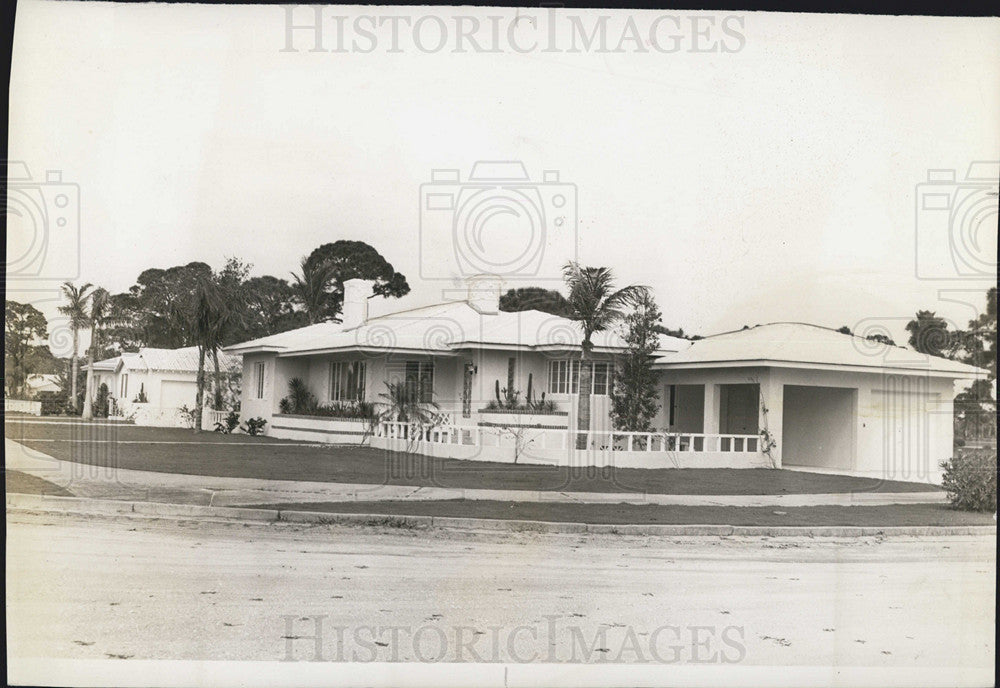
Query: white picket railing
[[549, 438], [210, 417]]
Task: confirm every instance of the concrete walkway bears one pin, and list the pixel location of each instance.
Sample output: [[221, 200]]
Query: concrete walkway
[[95, 482]]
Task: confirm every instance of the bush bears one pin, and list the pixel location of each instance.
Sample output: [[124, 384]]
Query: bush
[[102, 405], [363, 410], [55, 403], [254, 426], [229, 423], [299, 400], [970, 479]]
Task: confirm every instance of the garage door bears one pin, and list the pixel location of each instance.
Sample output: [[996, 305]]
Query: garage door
[[177, 393], [907, 437]]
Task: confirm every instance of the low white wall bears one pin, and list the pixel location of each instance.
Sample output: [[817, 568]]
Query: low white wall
[[527, 420], [157, 416], [33, 408], [317, 429]]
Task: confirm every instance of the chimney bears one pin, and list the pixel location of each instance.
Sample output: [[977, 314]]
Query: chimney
[[356, 293], [484, 293]]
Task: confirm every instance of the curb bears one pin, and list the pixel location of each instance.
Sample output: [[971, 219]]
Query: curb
[[78, 505]]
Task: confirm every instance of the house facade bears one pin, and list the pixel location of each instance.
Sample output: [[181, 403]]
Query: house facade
[[504, 387], [152, 385]]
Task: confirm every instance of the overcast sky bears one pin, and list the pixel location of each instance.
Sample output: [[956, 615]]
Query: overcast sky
[[772, 179]]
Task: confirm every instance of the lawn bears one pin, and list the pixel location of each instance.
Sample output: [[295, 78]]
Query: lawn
[[24, 483], [172, 450], [619, 514]]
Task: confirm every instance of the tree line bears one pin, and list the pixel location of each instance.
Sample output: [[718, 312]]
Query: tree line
[[192, 305]]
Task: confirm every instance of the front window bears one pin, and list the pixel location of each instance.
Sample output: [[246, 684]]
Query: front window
[[124, 389], [347, 381], [564, 377], [420, 380], [260, 380]]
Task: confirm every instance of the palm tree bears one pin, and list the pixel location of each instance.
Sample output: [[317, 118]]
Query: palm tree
[[208, 315], [98, 314], [76, 310], [310, 288], [401, 402], [596, 305]]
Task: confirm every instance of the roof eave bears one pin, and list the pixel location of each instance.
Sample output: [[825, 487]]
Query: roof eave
[[973, 374]]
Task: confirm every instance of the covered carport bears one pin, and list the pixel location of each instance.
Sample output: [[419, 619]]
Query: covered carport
[[819, 426], [825, 401]]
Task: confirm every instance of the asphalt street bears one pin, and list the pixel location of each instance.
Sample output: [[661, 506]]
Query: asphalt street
[[127, 587]]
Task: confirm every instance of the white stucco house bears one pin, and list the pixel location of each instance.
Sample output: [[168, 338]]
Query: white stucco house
[[151, 385], [776, 395], [41, 382]]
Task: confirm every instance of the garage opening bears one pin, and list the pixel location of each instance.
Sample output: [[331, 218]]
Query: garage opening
[[819, 427]]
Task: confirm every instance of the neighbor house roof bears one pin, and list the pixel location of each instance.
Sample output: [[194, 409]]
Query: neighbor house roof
[[442, 329], [183, 360], [800, 344], [108, 364]]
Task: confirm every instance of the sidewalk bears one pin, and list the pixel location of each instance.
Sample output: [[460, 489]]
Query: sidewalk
[[146, 486]]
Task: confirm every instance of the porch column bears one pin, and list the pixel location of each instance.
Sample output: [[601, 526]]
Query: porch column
[[710, 423], [772, 393]]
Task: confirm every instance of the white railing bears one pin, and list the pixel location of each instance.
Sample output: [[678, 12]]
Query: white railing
[[548, 438], [33, 408], [671, 441], [210, 417]]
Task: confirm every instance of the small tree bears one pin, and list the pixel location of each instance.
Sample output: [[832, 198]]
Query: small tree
[[23, 325], [634, 395]]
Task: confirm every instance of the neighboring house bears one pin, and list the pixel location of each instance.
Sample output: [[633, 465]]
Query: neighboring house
[[783, 394], [45, 382], [152, 385]]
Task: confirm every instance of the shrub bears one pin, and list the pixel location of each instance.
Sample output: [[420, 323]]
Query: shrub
[[300, 399], [54, 403], [364, 410], [254, 426], [229, 423], [510, 400], [970, 480], [189, 415]]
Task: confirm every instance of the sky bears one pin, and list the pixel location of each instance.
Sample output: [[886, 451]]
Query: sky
[[774, 178]]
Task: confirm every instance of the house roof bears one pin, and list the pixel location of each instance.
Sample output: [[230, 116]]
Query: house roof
[[174, 360], [109, 364], [801, 344], [442, 329]]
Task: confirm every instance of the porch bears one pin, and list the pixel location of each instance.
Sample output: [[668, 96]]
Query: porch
[[535, 444]]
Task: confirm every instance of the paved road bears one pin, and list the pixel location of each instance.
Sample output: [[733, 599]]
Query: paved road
[[124, 587]]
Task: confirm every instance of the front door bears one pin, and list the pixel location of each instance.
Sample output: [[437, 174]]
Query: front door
[[467, 390]]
